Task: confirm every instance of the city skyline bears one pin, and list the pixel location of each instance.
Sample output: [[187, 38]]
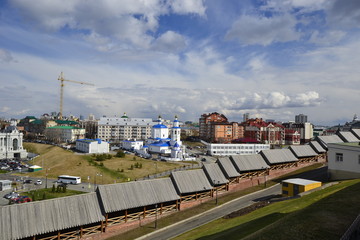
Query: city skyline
[[272, 59]]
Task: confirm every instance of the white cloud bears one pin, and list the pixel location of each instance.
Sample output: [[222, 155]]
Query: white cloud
[[250, 30], [129, 22], [170, 42], [328, 38], [188, 6]]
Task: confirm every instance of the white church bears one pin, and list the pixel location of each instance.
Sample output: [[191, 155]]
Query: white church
[[162, 142]]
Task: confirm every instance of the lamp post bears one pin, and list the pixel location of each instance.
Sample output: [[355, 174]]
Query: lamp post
[[216, 192], [156, 216], [46, 175]]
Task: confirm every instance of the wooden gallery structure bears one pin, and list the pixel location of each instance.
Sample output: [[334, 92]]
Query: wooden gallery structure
[[279, 159], [60, 218], [216, 177], [250, 165], [305, 153], [131, 201], [229, 170], [191, 185]]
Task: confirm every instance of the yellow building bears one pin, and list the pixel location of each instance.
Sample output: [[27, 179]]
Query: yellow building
[[294, 186]]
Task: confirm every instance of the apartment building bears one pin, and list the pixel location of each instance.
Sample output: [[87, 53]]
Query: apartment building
[[116, 129], [214, 127], [264, 132]]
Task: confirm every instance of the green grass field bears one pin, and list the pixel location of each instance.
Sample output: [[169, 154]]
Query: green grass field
[[57, 161], [324, 214], [47, 193]]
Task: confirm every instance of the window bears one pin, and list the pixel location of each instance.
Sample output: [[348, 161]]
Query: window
[[285, 192], [339, 157], [285, 184]]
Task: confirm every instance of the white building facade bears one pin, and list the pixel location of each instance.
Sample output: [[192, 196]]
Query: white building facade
[[64, 133], [343, 160], [11, 143], [92, 146], [235, 149], [116, 129], [132, 144]]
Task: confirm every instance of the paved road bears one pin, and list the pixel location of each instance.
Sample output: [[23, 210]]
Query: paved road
[[213, 214]]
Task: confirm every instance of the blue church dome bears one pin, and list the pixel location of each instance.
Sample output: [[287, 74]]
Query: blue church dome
[[159, 126]]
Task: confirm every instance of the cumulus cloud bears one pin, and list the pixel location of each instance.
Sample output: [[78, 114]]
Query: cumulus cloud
[[188, 6], [131, 22], [170, 42], [250, 30], [275, 100]]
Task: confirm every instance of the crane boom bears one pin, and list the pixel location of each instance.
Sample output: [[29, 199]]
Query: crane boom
[[62, 79]]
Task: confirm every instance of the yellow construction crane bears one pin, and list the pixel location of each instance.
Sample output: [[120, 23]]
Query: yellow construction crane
[[62, 79]]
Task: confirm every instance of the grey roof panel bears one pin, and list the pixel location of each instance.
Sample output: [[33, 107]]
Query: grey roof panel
[[252, 162], [348, 136], [121, 196], [28, 219], [301, 151], [191, 181], [276, 156], [317, 147], [228, 167], [356, 132], [330, 139], [214, 173]]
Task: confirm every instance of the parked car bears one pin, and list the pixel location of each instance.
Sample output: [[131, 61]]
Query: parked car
[[28, 181], [38, 182], [21, 199], [11, 195]]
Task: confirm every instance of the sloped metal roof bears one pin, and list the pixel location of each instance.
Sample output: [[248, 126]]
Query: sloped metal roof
[[191, 181], [356, 132], [121, 196], [28, 219], [244, 163], [214, 174], [330, 139], [228, 167], [348, 136], [275, 156], [317, 147], [303, 151]]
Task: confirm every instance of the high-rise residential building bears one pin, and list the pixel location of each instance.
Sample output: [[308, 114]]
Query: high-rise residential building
[[301, 118], [246, 117], [116, 129]]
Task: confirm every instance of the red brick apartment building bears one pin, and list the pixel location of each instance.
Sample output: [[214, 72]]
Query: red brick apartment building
[[215, 127], [264, 132]]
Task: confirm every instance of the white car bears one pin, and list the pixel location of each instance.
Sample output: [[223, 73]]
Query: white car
[[38, 182]]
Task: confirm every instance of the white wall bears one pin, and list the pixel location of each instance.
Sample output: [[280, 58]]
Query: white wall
[[349, 167]]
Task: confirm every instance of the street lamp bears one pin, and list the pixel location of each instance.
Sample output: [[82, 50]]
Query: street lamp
[[216, 192], [156, 216], [97, 174], [46, 175]]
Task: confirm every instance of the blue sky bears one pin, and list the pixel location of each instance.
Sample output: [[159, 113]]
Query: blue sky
[[273, 59]]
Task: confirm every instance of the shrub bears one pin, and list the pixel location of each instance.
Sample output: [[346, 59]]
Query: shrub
[[120, 154]]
